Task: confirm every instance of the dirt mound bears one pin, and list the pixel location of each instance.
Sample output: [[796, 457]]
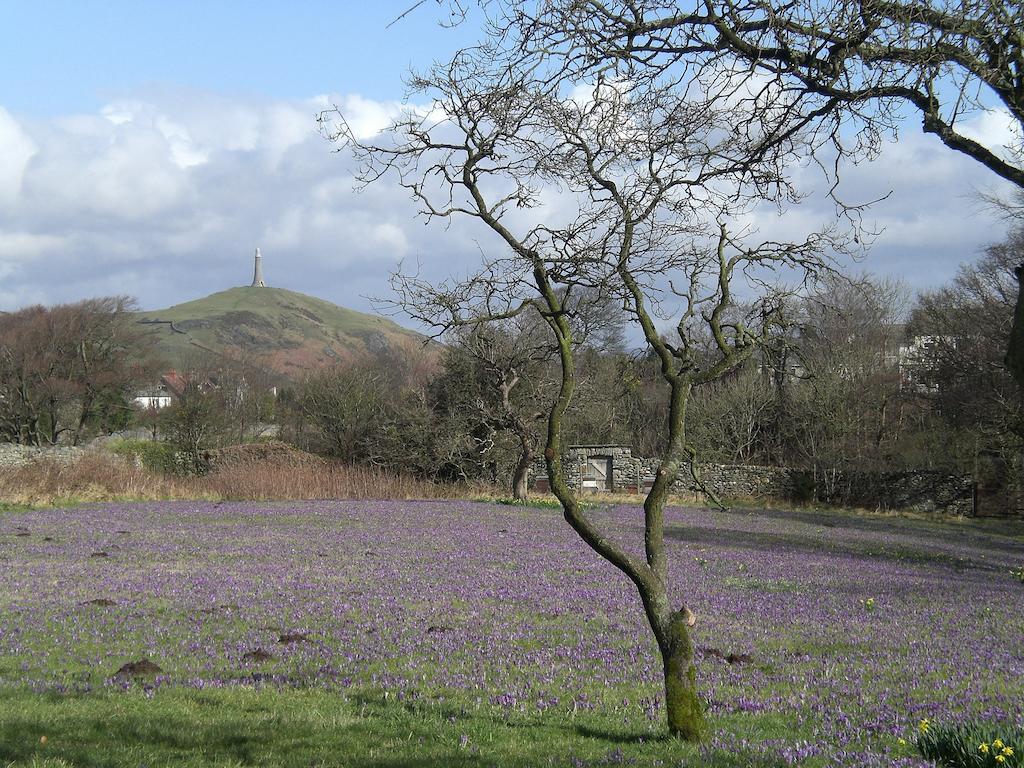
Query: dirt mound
[[728, 658], [141, 668]]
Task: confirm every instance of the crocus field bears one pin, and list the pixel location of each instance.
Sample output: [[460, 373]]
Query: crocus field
[[464, 633]]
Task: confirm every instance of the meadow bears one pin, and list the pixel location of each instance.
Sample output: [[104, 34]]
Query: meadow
[[402, 633]]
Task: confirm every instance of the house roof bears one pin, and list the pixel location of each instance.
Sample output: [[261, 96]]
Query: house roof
[[174, 382]]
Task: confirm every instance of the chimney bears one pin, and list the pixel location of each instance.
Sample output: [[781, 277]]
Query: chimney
[[257, 275]]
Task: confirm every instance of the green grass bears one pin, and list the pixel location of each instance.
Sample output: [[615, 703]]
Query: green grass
[[270, 727], [536, 502], [9, 507], [270, 319]]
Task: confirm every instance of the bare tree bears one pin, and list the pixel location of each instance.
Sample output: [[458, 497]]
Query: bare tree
[[510, 358], [848, 71], [847, 408], [510, 377], [67, 371], [832, 61], [732, 418], [962, 371], [248, 397], [344, 406], [647, 182]]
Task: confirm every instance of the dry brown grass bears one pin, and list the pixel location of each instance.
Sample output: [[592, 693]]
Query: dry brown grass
[[95, 476], [313, 478], [247, 476]]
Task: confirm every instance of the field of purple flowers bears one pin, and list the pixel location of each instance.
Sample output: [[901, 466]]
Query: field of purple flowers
[[823, 638]]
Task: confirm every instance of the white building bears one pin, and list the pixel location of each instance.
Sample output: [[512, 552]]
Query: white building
[[152, 399]]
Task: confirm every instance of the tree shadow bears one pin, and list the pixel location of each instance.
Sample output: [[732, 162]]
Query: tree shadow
[[928, 548], [198, 728], [617, 737], [93, 739], [1005, 533]]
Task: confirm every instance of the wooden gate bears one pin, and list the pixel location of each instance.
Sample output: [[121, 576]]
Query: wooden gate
[[597, 474]]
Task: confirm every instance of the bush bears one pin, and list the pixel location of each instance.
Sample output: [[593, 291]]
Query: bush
[[154, 456], [971, 745], [804, 487]]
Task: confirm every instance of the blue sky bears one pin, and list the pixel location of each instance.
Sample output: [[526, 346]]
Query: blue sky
[[146, 148], [73, 56]]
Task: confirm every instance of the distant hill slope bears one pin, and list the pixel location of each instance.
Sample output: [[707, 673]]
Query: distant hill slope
[[288, 332]]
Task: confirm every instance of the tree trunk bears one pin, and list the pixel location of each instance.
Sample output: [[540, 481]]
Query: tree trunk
[[520, 477], [1015, 351], [1015, 363], [527, 440], [521, 473], [682, 703]]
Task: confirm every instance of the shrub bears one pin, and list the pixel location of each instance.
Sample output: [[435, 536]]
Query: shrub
[[804, 487], [971, 745], [154, 456]]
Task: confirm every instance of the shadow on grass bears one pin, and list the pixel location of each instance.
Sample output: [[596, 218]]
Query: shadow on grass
[[618, 737], [236, 727], [114, 730], [1006, 533], [925, 549]]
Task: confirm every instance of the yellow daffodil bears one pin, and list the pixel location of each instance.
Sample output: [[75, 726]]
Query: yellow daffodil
[[983, 748], [924, 725], [1000, 759], [997, 744], [1008, 751]]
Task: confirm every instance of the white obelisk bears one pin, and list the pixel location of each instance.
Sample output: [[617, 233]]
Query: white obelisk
[[257, 275]]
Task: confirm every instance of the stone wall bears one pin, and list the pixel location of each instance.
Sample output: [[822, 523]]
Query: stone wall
[[12, 455], [920, 491], [916, 490], [634, 474]]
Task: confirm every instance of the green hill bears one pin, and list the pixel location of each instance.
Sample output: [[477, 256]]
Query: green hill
[[288, 332]]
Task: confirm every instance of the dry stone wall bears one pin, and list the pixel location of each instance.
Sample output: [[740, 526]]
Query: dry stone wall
[[920, 491], [12, 455]]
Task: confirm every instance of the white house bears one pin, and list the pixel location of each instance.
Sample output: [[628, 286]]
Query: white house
[[153, 398]]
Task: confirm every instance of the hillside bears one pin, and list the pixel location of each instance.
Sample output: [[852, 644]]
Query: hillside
[[288, 332]]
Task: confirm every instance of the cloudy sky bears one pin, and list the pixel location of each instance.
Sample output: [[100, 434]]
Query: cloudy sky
[[146, 148]]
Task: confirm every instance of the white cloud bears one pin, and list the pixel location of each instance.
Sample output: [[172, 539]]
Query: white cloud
[[18, 249], [164, 196], [126, 174], [390, 239], [17, 149], [367, 118], [929, 221], [996, 129], [25, 245]]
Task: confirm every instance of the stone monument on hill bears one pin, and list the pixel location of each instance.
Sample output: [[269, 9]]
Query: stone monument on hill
[[257, 275]]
